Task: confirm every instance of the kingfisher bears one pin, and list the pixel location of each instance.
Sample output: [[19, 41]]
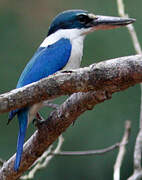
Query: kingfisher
[[62, 49]]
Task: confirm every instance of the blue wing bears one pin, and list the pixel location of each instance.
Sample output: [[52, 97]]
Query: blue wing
[[45, 62]]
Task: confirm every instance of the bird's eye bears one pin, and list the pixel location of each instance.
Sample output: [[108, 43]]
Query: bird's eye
[[83, 18]]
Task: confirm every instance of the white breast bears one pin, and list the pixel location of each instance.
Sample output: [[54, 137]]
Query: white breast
[[76, 54]]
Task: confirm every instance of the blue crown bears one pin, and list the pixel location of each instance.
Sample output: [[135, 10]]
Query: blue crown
[[68, 20]]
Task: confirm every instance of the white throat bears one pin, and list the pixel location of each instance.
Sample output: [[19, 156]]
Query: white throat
[[71, 34]]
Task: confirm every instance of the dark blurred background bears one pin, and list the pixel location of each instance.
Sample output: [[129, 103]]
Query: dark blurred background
[[23, 26]]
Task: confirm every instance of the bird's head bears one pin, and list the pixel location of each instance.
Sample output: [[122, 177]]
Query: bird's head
[[85, 22]]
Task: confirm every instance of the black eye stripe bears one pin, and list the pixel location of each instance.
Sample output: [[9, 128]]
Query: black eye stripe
[[84, 18]]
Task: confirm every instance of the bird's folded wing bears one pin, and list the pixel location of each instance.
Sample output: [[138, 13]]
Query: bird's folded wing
[[46, 61]]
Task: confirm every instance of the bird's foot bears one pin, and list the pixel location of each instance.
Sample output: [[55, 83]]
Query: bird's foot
[[38, 121]]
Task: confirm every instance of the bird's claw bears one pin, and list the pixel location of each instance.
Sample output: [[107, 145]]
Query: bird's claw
[[38, 121]]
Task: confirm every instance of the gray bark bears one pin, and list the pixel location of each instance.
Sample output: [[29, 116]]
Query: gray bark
[[91, 85]]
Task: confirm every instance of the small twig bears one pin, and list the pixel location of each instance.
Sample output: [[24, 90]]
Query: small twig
[[44, 160], [131, 29], [135, 40], [87, 153], [121, 8], [122, 150], [138, 146], [32, 172], [137, 174]]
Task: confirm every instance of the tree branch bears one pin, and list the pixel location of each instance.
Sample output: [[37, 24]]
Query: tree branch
[[44, 160], [112, 75], [137, 174], [88, 152], [122, 151], [104, 78]]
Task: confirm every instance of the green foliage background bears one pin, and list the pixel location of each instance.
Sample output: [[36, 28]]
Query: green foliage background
[[23, 26]]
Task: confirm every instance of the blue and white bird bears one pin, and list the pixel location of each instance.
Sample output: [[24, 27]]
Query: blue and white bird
[[62, 49]]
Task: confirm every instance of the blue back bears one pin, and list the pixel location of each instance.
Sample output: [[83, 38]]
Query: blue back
[[46, 61]]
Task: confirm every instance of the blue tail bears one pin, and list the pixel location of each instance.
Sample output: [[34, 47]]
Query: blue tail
[[23, 119]]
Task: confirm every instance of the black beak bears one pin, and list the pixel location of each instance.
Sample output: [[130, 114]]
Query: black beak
[[108, 22]]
